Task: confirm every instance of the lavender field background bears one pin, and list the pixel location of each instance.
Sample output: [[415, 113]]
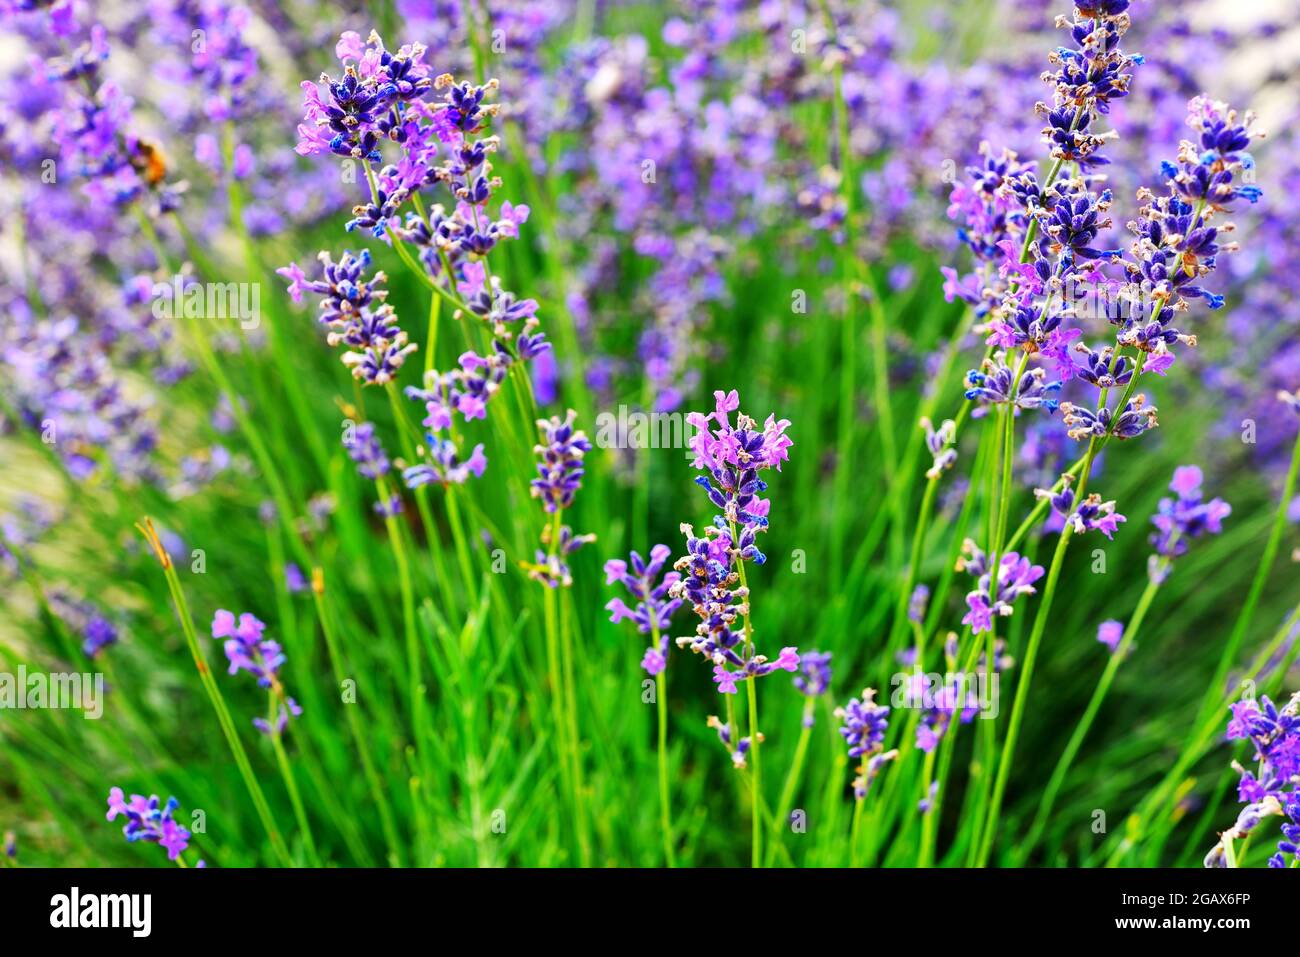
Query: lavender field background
[[497, 433]]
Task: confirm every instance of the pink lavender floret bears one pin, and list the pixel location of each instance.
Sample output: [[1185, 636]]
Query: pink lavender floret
[[733, 458], [147, 819], [1109, 633], [465, 391], [654, 608]]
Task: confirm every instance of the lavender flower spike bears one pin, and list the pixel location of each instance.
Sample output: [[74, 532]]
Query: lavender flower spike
[[560, 474], [864, 726]]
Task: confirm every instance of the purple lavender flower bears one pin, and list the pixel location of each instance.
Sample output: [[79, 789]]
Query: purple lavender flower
[[147, 819], [1087, 515], [1290, 843], [941, 702], [733, 459], [1270, 787], [247, 650], [863, 729], [742, 746], [551, 567], [445, 465], [993, 385], [1016, 577], [97, 631], [654, 607], [1137, 417], [917, 603], [813, 678], [354, 311], [560, 470], [939, 442], [560, 474], [245, 647], [1186, 516], [710, 584], [1109, 633], [1275, 734], [864, 724], [466, 391], [294, 580], [365, 449]]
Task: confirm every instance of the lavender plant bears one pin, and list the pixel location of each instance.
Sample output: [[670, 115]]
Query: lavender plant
[[683, 197]]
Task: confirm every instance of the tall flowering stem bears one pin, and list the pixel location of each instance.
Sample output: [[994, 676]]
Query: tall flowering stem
[[1180, 519], [653, 614], [559, 475], [1032, 309], [714, 565], [1152, 812], [248, 650], [146, 528]]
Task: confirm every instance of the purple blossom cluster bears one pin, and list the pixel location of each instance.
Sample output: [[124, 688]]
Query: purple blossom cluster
[[654, 608], [1187, 515], [367, 451], [1090, 514], [733, 458], [352, 307], [813, 679], [467, 391], [739, 748], [1271, 787], [559, 475], [386, 97], [247, 650], [97, 631], [1043, 254], [1016, 576], [863, 728], [148, 819], [710, 583], [713, 567]]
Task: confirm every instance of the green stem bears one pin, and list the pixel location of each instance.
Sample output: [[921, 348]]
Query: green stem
[[1071, 751], [291, 785], [665, 806], [214, 695], [792, 779], [378, 793], [1027, 670]]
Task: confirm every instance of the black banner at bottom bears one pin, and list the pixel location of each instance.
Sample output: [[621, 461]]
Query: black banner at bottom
[[333, 907]]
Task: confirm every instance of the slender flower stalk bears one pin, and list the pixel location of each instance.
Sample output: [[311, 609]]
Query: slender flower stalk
[[1153, 810], [652, 614], [237, 751], [1180, 519], [715, 563]]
